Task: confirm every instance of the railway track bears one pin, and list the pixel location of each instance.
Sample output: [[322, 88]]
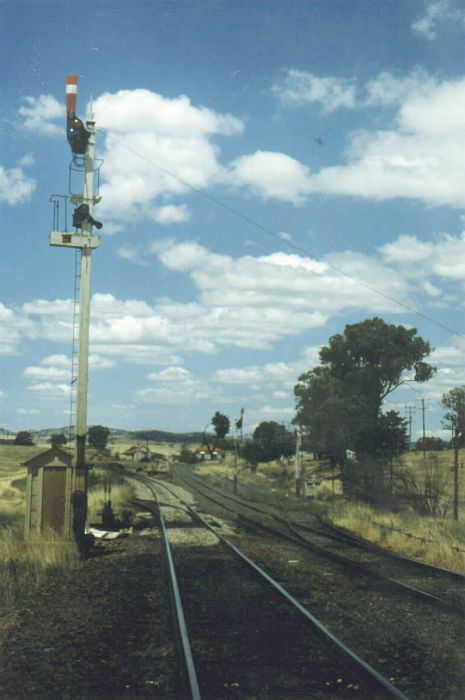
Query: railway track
[[230, 609], [418, 645], [442, 588]]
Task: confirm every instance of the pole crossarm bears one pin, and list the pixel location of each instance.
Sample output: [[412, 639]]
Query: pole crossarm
[[67, 239]]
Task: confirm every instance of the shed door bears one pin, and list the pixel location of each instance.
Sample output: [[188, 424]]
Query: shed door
[[54, 498]]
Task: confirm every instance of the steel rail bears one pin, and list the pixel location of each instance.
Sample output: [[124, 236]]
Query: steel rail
[[341, 535], [188, 658], [334, 556], [368, 671], [338, 535]]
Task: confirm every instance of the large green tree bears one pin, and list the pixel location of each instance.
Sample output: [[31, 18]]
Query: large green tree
[[271, 440], [454, 419], [221, 425], [327, 412], [454, 401], [97, 436], [340, 402], [24, 437], [58, 439], [372, 358]]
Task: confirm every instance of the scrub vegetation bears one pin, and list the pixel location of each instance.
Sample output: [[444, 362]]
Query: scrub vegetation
[[438, 540], [24, 565], [108, 488]]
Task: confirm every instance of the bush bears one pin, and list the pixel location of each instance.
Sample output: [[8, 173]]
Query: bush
[[24, 438], [424, 488], [187, 456], [58, 439], [430, 444]]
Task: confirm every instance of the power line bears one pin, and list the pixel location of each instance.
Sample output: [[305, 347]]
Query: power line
[[273, 234]]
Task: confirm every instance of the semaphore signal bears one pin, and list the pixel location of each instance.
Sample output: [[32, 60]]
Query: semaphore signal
[[81, 138]]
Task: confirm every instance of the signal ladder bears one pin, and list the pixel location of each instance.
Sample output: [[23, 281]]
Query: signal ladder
[[75, 347]]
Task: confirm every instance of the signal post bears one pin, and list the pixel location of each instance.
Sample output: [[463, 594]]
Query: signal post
[[82, 142]]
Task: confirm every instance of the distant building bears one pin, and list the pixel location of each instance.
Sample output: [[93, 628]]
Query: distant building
[[207, 451], [138, 453]]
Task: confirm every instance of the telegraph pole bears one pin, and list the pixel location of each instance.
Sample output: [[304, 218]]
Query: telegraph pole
[[80, 481], [423, 423], [297, 472], [410, 410], [82, 141]]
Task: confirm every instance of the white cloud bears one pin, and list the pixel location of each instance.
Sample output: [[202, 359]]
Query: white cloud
[[47, 373], [13, 326], [300, 87], [388, 89], [175, 385], [99, 362], [419, 159], [15, 186], [57, 361], [241, 302], [155, 149], [272, 175], [136, 111], [51, 390], [443, 257], [40, 114], [436, 13], [418, 156], [170, 214], [132, 255]]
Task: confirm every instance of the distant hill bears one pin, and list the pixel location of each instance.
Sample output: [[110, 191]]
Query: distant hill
[[44, 435], [163, 436]]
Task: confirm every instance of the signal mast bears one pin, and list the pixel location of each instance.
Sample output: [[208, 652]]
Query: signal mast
[[82, 141]]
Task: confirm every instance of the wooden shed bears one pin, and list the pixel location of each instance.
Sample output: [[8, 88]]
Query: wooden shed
[[48, 492]]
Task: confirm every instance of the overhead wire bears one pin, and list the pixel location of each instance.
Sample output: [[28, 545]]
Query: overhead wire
[[298, 248]]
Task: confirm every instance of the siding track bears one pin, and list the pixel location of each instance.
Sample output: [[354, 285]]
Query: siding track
[[442, 588]]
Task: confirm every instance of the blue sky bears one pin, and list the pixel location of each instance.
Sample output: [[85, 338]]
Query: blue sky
[[273, 170]]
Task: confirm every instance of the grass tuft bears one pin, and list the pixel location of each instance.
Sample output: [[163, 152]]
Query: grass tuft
[[26, 564], [436, 541]]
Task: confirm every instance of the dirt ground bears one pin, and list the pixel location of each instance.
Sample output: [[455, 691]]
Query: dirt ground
[[103, 631]]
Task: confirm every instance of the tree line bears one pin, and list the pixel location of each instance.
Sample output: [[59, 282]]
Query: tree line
[[340, 407]]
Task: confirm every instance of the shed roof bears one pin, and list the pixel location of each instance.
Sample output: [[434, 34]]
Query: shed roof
[[55, 456]]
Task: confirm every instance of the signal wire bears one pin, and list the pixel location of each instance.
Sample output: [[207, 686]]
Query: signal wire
[[273, 234]]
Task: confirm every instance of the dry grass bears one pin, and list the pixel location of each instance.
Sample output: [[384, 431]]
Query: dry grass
[[445, 461], [25, 565], [120, 495], [434, 540]]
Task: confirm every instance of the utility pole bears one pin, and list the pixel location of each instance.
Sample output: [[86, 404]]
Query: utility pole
[[410, 411], [235, 478], [297, 474], [238, 425], [456, 481], [82, 141], [423, 409]]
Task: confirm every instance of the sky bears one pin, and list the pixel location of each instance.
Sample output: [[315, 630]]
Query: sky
[[271, 170]]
